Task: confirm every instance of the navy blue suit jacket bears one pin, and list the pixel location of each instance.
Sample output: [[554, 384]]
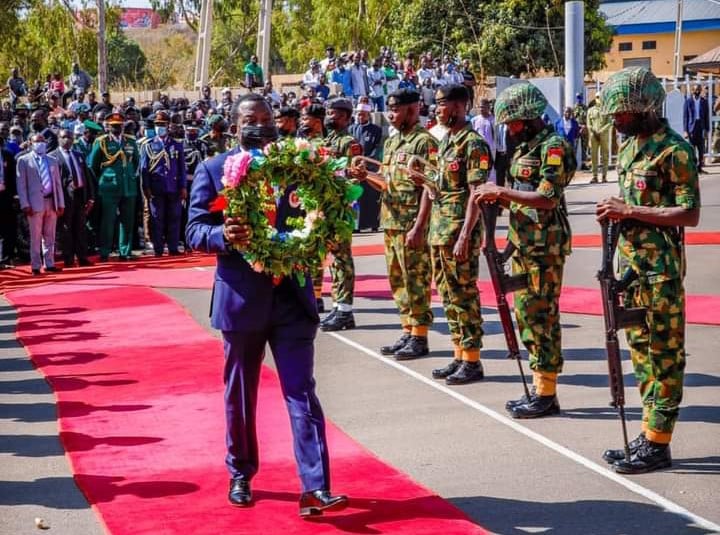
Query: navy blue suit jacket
[[242, 299], [691, 122], [570, 136]]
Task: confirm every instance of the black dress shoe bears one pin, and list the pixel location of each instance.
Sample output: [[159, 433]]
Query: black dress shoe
[[175, 253], [53, 269], [36, 272], [416, 347], [84, 262], [318, 501], [536, 407], [649, 457], [339, 322], [524, 399], [103, 258], [398, 345], [610, 456], [442, 373], [468, 372], [68, 263], [239, 493], [320, 305]]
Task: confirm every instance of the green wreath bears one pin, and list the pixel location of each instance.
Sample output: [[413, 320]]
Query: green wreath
[[254, 181]]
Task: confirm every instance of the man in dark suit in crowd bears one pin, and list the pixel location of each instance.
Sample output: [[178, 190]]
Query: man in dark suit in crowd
[[696, 123], [252, 311], [79, 199]]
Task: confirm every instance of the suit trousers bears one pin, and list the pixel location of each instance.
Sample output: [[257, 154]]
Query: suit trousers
[[290, 333], [42, 235], [165, 214], [697, 140], [73, 234]]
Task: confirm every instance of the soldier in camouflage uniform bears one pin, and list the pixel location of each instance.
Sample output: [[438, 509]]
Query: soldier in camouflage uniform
[[659, 196], [404, 218], [342, 270], [456, 234], [580, 112], [543, 164]]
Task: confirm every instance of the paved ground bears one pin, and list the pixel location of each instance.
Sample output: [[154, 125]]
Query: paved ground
[[513, 478]]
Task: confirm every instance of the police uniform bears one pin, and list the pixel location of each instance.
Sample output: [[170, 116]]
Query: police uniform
[[164, 178], [114, 161], [659, 171], [580, 112], [409, 269]]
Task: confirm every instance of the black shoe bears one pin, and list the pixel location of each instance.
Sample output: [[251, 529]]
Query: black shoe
[[468, 372], [610, 456], [593, 180], [104, 258], [339, 322], [320, 305], [329, 317], [53, 269], [536, 407], [515, 402], [442, 373], [398, 345], [84, 262], [417, 346], [318, 501], [36, 273], [240, 494], [649, 457], [68, 263], [175, 253]]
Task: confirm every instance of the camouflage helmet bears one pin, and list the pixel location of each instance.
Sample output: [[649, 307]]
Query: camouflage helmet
[[520, 102], [632, 90]]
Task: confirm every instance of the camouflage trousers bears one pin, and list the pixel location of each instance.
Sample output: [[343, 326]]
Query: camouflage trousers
[[537, 310], [342, 271], [410, 273], [657, 350], [456, 283]]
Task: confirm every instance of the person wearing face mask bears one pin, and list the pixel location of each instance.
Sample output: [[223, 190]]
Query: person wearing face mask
[[39, 189], [252, 312], [286, 121], [39, 125], [659, 197], [164, 179], [542, 166], [114, 160], [339, 143], [9, 210], [217, 138], [370, 136]]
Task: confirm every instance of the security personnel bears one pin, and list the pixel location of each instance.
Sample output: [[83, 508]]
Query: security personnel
[[196, 151], [340, 143], [286, 121], [543, 164], [598, 126], [405, 213], [659, 196], [114, 160], [580, 112], [162, 169], [456, 234], [217, 138]]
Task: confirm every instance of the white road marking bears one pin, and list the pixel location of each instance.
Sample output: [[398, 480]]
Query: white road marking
[[650, 495]]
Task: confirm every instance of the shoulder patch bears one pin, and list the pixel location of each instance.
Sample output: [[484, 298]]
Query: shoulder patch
[[555, 155]]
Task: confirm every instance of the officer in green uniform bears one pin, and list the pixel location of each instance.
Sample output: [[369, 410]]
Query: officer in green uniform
[[456, 234], [599, 126], [340, 143], [659, 196], [542, 165], [404, 218], [114, 160], [217, 139], [580, 112]]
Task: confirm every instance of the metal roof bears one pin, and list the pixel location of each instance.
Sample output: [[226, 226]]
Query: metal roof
[[626, 13], [707, 62]]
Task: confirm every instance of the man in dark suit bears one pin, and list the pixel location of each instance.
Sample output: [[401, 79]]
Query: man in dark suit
[[696, 123], [79, 199], [8, 208], [252, 311]]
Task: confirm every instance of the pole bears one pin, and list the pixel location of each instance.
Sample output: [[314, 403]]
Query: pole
[[574, 50], [678, 40], [102, 50], [262, 49], [202, 56]]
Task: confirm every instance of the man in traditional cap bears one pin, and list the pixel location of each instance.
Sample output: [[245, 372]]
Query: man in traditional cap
[[659, 197], [543, 164], [114, 160]]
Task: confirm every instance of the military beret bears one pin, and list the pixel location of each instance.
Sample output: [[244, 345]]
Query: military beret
[[403, 96], [92, 125], [162, 117], [314, 110], [115, 118], [340, 103], [193, 123], [214, 119], [452, 93], [287, 111]]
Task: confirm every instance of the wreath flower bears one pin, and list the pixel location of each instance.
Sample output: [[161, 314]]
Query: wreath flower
[[255, 182]]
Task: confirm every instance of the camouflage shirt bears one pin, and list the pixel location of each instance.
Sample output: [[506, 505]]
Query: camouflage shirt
[[660, 172], [340, 143], [401, 201], [464, 159], [544, 165], [580, 113]]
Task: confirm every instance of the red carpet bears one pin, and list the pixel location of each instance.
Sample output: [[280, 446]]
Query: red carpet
[[139, 392]]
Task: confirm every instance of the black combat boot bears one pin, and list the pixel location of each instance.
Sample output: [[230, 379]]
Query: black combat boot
[[399, 344], [442, 373], [339, 322], [416, 347], [320, 305], [537, 407], [468, 372], [610, 456], [650, 456], [524, 399]]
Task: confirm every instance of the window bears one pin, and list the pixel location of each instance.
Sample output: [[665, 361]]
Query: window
[[625, 47], [649, 45], [637, 62]]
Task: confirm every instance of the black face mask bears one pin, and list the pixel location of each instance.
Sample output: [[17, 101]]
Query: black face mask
[[284, 132], [304, 131], [525, 135], [638, 125], [331, 124], [116, 130], [38, 127], [258, 136]]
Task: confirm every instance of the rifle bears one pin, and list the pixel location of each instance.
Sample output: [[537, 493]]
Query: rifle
[[616, 317], [502, 282]]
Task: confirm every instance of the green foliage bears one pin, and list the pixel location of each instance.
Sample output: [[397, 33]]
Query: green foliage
[[126, 61]]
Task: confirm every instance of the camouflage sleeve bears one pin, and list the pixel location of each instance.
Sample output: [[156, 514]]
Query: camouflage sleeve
[[479, 160], [684, 175], [428, 148], [554, 159]]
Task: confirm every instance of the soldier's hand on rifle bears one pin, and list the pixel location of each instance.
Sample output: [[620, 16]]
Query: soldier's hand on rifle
[[612, 208], [487, 192]]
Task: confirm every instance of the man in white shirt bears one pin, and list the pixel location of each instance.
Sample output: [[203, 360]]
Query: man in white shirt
[[359, 78], [426, 72], [312, 75], [484, 124], [378, 85]]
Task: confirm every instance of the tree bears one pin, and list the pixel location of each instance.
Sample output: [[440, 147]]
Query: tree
[[126, 61]]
